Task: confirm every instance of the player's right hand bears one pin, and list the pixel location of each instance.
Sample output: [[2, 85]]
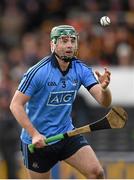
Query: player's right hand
[[38, 140]]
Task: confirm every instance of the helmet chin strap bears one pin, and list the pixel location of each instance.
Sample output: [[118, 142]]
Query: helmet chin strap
[[63, 58]]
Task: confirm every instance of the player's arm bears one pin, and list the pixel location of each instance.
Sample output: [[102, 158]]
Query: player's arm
[[101, 91], [17, 108]]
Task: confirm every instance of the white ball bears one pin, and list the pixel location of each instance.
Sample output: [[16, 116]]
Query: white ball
[[105, 21]]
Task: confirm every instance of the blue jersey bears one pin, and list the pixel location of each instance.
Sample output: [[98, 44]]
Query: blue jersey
[[52, 93]]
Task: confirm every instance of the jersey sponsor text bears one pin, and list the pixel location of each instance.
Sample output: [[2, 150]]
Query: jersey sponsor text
[[61, 98]]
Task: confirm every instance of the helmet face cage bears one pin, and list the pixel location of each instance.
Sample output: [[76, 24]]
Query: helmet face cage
[[63, 30]]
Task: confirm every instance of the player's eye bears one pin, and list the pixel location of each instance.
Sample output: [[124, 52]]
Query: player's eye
[[64, 40], [67, 39], [73, 39]]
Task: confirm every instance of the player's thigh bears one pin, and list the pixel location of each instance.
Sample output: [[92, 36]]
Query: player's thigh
[[84, 160], [36, 175]]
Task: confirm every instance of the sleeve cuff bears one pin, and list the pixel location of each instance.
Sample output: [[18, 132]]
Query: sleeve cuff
[[89, 87]]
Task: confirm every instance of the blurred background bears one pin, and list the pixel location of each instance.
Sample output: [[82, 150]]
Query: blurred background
[[24, 40]]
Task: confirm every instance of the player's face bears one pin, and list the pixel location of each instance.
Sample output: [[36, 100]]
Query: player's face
[[66, 46]]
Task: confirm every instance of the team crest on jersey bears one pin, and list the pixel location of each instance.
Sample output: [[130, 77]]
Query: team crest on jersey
[[75, 82], [61, 98]]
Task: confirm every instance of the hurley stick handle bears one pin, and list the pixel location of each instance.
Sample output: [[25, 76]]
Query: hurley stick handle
[[31, 147]]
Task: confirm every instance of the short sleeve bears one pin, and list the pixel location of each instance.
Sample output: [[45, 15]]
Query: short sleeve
[[29, 84], [88, 77]]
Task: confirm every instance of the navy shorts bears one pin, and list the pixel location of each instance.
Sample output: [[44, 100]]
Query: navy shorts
[[43, 159]]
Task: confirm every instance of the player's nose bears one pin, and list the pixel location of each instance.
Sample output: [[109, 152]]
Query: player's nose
[[69, 44]]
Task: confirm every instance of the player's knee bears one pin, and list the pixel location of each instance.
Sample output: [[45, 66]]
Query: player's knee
[[95, 173]]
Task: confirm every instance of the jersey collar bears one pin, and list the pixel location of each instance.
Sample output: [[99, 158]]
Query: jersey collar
[[56, 65]]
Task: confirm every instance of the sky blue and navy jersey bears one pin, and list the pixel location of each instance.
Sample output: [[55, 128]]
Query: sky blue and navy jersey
[[52, 93]]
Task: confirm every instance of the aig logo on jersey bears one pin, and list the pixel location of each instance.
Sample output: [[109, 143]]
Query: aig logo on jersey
[[61, 98]]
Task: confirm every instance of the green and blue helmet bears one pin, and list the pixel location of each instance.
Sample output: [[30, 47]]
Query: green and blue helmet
[[63, 30]]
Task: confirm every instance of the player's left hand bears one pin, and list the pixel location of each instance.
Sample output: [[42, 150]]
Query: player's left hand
[[104, 79]]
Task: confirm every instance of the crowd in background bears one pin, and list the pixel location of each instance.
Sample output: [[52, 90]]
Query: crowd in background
[[25, 27], [25, 35]]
